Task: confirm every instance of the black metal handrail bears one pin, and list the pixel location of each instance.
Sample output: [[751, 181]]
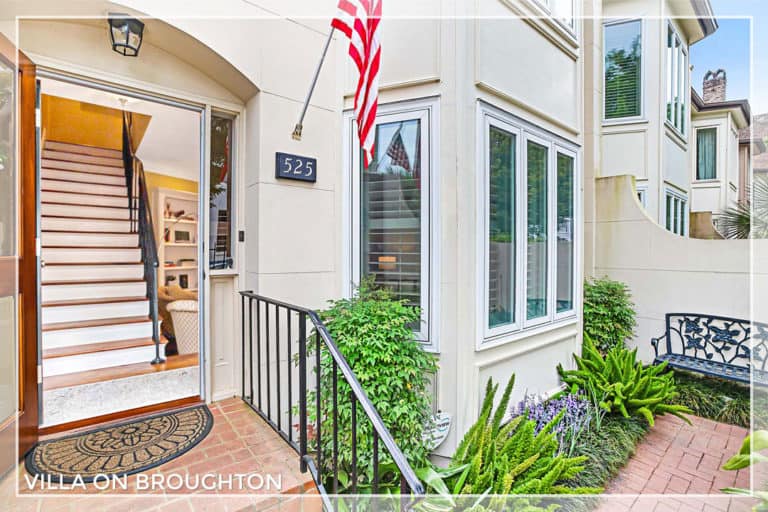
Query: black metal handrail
[[264, 317], [141, 223]]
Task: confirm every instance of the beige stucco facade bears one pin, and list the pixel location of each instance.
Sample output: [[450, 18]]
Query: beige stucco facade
[[460, 62]]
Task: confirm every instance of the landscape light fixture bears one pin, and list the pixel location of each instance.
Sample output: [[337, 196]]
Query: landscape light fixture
[[126, 34]]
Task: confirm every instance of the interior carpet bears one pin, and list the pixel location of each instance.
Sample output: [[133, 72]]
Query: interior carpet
[[118, 450]]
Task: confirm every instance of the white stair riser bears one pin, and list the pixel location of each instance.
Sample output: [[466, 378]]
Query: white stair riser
[[82, 199], [90, 225], [51, 239], [97, 334], [80, 272], [87, 159], [65, 255], [77, 291], [96, 360], [54, 314], [80, 188], [82, 167], [98, 212], [82, 177]]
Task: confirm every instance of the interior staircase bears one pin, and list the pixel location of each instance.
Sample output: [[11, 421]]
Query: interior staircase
[[96, 324]]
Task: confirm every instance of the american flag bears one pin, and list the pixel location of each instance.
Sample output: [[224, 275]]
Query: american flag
[[359, 21], [396, 151]]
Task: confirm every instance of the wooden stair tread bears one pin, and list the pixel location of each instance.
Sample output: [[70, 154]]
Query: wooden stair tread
[[63, 231], [81, 193], [81, 324], [93, 263], [90, 246], [119, 372], [77, 148], [83, 302], [85, 205], [93, 281], [92, 348], [73, 217], [117, 164]]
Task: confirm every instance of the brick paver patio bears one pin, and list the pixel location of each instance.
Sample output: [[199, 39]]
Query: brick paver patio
[[239, 443], [677, 458]]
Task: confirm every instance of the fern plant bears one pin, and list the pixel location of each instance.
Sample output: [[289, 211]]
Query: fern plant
[[627, 386], [511, 458]]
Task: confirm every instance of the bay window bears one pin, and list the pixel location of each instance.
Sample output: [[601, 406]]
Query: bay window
[[677, 92], [529, 228], [391, 208], [622, 69]]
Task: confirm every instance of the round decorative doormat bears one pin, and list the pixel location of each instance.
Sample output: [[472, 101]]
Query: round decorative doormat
[[120, 450]]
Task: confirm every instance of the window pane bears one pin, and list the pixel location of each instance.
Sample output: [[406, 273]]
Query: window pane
[[622, 70], [706, 144], [565, 233], [670, 71], [221, 209], [682, 217], [676, 211], [536, 288], [669, 212], [501, 228], [390, 220]]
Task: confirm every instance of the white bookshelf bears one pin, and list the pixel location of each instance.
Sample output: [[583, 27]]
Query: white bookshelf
[[181, 241]]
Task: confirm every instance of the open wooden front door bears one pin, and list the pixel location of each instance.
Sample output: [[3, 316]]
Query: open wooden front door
[[23, 244]]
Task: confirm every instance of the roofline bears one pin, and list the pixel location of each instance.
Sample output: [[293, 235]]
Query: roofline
[[705, 16], [702, 106]]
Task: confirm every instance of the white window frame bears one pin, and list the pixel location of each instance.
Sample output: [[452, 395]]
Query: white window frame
[[427, 112], [683, 198], [641, 116], [487, 116], [642, 193], [673, 83]]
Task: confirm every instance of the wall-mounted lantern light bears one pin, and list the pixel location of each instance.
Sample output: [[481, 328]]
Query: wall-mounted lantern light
[[126, 34]]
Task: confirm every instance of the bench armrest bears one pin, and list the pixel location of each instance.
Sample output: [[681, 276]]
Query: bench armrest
[[655, 344]]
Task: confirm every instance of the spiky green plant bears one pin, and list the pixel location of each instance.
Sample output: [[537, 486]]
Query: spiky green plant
[[510, 458], [629, 387], [747, 219]]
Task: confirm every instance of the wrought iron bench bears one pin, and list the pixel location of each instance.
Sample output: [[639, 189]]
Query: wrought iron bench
[[728, 348]]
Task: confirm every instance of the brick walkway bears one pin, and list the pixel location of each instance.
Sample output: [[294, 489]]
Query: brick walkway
[[676, 458], [239, 443]]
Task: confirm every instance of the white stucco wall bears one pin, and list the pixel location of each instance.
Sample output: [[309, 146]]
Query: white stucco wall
[[671, 274]]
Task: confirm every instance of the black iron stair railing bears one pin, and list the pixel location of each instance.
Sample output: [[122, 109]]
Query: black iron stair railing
[[140, 218], [277, 338]]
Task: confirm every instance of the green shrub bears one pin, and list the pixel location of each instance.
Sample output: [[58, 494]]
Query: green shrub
[[721, 400], [628, 386], [373, 332], [607, 449], [609, 317], [511, 459]]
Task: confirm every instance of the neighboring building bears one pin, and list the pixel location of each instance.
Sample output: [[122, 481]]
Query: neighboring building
[[720, 161]]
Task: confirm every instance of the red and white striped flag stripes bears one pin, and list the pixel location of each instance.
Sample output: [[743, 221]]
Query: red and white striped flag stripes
[[359, 21]]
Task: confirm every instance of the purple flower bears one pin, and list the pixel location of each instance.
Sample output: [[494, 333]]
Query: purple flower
[[577, 416]]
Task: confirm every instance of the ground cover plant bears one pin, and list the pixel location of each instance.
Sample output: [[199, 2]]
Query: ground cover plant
[[373, 332], [622, 384], [721, 400], [609, 315]]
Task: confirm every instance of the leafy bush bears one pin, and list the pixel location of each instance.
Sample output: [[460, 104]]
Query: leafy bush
[[609, 317], [721, 400], [607, 449], [628, 386], [575, 420], [511, 459], [373, 332], [750, 454]]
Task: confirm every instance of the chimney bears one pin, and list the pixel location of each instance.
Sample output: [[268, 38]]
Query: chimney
[[713, 88]]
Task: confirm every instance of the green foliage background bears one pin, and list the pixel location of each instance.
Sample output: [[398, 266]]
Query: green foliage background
[[609, 315]]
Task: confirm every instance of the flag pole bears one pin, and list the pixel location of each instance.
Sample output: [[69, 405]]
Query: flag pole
[[297, 129]]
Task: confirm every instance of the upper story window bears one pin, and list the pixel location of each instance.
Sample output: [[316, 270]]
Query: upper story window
[[676, 212], [677, 81], [706, 153], [529, 226], [221, 208], [623, 69], [563, 11], [391, 208], [642, 194]]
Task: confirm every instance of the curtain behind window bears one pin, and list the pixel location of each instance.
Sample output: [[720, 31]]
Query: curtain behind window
[[706, 153]]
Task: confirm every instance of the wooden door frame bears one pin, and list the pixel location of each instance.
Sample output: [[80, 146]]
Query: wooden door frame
[[27, 417]]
